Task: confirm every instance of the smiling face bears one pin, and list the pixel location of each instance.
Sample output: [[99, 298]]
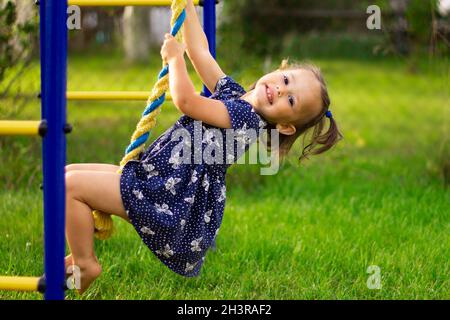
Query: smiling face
[[288, 98]]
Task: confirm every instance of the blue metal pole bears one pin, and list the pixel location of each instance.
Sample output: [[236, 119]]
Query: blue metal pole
[[209, 26], [53, 87]]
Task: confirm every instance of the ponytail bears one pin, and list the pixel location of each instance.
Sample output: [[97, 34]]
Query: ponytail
[[327, 139]]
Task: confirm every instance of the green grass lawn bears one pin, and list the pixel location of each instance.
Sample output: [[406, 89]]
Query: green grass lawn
[[309, 232]]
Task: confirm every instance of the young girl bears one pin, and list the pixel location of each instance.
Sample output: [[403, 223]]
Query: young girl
[[177, 208]]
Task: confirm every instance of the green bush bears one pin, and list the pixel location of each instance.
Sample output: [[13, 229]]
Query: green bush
[[261, 26], [17, 46]]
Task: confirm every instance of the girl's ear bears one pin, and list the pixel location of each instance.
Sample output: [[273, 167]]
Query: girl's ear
[[286, 129]]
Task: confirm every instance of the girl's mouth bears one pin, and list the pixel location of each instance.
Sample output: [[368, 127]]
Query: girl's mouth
[[269, 94]]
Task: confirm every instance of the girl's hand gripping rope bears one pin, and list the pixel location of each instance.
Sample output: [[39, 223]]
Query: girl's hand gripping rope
[[172, 48]]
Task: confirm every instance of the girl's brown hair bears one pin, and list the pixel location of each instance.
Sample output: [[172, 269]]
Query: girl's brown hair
[[317, 124]]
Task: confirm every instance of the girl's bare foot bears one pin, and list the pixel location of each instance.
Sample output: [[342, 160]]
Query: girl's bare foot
[[89, 271]]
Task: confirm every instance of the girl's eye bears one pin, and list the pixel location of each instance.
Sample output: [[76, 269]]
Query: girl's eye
[[286, 80], [291, 101]]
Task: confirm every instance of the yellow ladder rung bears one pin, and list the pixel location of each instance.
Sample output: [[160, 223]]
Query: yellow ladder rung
[[109, 95], [19, 128], [20, 283], [154, 3]]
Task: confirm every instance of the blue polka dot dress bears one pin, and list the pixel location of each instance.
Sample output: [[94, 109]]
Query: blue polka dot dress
[[176, 206]]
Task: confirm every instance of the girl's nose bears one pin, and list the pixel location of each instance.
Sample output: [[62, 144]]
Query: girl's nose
[[278, 90]]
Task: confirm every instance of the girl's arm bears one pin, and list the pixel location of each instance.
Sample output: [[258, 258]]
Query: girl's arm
[[197, 49], [210, 111]]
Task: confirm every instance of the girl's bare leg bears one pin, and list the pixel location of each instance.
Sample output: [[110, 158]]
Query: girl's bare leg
[[85, 192], [92, 167]]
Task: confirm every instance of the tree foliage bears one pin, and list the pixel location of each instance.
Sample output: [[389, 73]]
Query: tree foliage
[[17, 46], [261, 25]]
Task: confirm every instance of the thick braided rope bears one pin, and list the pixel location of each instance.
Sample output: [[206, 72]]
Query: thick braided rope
[[103, 221]]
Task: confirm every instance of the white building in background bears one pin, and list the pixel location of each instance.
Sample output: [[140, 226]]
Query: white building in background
[[444, 7], [160, 21]]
